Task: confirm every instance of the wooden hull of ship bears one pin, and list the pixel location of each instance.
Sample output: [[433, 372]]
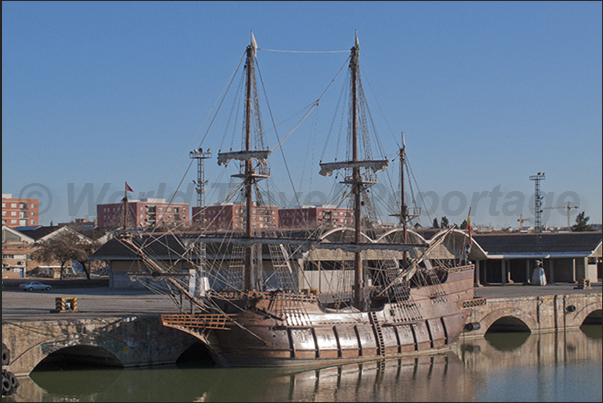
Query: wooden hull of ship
[[294, 330]]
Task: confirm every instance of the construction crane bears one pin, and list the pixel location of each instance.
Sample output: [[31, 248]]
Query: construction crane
[[568, 208], [521, 220]]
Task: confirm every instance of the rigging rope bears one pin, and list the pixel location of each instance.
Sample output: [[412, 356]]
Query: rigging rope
[[305, 51]]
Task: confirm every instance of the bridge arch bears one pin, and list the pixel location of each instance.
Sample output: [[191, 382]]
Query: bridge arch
[[343, 234], [508, 319], [589, 314], [508, 324], [78, 355], [396, 236]]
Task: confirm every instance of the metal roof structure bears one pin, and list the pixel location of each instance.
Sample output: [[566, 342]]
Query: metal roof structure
[[548, 245]]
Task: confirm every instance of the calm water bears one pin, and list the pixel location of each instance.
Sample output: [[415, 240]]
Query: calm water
[[562, 366]]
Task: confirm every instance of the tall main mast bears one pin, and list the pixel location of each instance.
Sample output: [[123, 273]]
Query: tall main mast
[[356, 184], [248, 180], [355, 181]]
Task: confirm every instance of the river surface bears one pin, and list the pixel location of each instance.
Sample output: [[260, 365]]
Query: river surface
[[559, 366]]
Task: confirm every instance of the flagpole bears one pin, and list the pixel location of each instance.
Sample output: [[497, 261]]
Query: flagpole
[[469, 230], [126, 206]]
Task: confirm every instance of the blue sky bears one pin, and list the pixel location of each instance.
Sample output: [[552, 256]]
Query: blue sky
[[487, 94]]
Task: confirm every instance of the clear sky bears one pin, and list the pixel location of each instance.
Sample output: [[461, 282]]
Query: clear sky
[[486, 93]]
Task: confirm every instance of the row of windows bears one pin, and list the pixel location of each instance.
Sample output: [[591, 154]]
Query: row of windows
[[169, 209], [20, 222], [22, 214], [21, 205]]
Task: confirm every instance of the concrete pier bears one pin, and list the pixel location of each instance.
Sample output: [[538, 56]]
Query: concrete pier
[[123, 328]]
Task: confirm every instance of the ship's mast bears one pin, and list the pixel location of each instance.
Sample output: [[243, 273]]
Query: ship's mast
[[356, 185], [356, 181], [248, 179], [403, 209]]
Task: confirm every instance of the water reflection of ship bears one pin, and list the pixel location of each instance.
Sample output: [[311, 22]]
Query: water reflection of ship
[[405, 379]]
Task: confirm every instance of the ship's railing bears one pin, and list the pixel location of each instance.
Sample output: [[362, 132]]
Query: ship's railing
[[461, 268], [475, 302], [282, 296], [229, 294], [197, 321]]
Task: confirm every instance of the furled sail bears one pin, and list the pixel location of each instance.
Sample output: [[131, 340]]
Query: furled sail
[[260, 155], [327, 168]]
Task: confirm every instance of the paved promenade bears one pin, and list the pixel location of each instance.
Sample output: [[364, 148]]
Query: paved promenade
[[103, 301]]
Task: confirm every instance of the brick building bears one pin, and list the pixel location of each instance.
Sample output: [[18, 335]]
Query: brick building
[[142, 213], [327, 215], [232, 216], [19, 212]]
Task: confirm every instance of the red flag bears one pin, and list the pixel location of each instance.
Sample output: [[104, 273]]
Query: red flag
[[128, 188], [469, 229]]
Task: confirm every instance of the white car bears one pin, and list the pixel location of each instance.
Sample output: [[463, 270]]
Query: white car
[[34, 285]]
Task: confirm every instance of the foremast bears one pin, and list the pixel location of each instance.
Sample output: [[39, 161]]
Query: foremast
[[247, 157]]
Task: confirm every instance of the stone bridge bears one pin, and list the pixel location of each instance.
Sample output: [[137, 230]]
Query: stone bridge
[[120, 341], [534, 314], [132, 341]]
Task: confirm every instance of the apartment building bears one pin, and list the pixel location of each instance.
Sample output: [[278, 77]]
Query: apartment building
[[19, 212], [146, 212], [232, 216], [327, 215]]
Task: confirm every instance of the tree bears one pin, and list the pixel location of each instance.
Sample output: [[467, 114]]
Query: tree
[[444, 223], [582, 223], [464, 224], [435, 223], [64, 248]]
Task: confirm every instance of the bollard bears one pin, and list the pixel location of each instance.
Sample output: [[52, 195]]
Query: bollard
[[66, 304]]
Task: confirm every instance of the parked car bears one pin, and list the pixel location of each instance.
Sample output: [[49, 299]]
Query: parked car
[[34, 285]]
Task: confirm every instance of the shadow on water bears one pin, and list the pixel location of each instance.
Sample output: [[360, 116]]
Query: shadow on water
[[507, 341], [594, 332], [76, 381]]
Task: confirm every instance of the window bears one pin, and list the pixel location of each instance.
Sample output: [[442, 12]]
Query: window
[[33, 205], [33, 222], [32, 214], [13, 213], [14, 205]]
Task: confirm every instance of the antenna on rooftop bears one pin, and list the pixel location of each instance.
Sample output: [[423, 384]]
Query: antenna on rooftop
[[200, 155], [537, 200]]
